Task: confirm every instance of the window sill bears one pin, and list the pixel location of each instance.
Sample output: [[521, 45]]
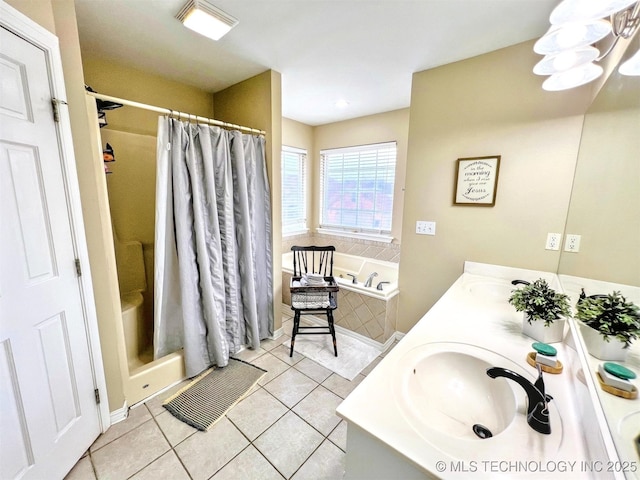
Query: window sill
[[376, 237], [302, 231]]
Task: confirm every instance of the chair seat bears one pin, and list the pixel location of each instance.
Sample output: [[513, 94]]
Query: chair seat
[[313, 291]]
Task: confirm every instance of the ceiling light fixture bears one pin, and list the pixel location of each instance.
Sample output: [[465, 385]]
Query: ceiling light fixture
[[206, 19], [576, 24]]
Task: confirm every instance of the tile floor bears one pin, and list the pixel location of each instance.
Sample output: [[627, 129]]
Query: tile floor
[[286, 428]]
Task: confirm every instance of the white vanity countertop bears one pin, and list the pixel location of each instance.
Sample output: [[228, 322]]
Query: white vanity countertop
[[475, 311], [622, 415]]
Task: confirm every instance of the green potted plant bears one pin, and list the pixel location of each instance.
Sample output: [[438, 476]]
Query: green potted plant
[[543, 308], [609, 323]]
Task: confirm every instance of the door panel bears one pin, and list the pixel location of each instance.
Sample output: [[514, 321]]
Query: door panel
[[48, 407]]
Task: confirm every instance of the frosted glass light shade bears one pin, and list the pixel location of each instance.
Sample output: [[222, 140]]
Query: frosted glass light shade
[[632, 66], [586, 10], [206, 19], [565, 60], [572, 78], [570, 36]]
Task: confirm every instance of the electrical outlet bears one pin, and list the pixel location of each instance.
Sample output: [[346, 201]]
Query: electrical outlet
[[425, 228], [553, 241], [572, 243]]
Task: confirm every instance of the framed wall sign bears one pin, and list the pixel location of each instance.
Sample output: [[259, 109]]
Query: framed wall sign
[[477, 181]]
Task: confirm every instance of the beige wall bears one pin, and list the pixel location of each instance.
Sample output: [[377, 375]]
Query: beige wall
[[382, 127], [59, 17], [257, 103], [487, 105], [112, 78]]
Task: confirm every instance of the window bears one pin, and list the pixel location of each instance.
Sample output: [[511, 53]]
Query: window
[[294, 204], [357, 188]]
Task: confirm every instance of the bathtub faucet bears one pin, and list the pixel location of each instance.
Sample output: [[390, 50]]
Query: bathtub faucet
[[537, 401], [379, 286], [370, 279], [355, 279]]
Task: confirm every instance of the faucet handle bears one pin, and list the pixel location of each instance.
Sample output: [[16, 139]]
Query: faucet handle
[[539, 383], [355, 278]]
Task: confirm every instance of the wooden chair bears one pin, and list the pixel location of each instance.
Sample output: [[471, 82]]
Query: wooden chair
[[309, 298]]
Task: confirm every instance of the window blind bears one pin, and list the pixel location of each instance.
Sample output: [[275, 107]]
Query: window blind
[[357, 187], [294, 205]]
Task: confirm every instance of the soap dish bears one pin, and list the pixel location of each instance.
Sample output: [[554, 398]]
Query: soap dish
[[531, 360], [618, 392]]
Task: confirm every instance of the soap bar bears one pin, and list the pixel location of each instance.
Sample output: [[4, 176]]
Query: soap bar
[[619, 371], [546, 360], [544, 349], [614, 381]]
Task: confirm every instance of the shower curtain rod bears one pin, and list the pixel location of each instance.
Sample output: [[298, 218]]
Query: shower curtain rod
[[168, 111]]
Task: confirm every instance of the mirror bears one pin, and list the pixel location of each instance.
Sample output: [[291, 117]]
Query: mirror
[[605, 211]]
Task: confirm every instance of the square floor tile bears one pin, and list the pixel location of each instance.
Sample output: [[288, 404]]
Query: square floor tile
[[270, 344], [282, 352], [272, 364], [249, 465], [313, 370], [341, 386], [130, 453], [256, 413], [248, 355], [137, 416], [83, 470], [339, 436], [326, 463], [288, 443], [175, 430], [167, 467], [318, 409], [290, 387], [204, 453]]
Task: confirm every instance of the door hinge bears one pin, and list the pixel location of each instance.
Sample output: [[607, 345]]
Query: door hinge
[[55, 103], [78, 268], [96, 392]]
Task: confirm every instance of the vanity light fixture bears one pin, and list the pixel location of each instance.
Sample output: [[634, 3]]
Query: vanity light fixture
[[206, 19], [568, 45]]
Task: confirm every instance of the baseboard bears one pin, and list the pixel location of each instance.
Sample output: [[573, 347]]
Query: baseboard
[[120, 414], [400, 336]]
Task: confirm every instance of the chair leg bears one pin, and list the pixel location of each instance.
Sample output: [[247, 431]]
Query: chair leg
[[333, 331], [294, 331]]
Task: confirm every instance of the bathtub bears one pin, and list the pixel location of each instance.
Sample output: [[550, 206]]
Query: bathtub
[[361, 267], [145, 376], [364, 310]]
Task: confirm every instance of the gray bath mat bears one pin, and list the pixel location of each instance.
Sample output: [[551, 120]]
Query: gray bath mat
[[212, 394]]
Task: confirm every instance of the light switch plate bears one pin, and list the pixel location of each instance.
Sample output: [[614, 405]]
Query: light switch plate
[[425, 228]]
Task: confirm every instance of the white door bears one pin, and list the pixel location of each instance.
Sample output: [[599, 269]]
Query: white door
[[48, 411]]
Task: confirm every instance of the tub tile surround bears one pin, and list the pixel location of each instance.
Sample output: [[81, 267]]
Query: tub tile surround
[[466, 314], [271, 434]]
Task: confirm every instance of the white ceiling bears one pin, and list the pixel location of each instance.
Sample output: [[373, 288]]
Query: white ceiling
[[362, 51]]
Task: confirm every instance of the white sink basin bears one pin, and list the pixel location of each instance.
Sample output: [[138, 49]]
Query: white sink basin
[[491, 291], [443, 392]]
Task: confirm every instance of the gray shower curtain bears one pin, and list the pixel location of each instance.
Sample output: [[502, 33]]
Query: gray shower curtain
[[213, 273]]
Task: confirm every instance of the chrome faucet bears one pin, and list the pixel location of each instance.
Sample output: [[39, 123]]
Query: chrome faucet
[[370, 279], [379, 286], [537, 401], [355, 279]]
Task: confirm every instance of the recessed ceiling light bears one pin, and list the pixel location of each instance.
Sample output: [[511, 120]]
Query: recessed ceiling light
[[342, 103], [205, 19]]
